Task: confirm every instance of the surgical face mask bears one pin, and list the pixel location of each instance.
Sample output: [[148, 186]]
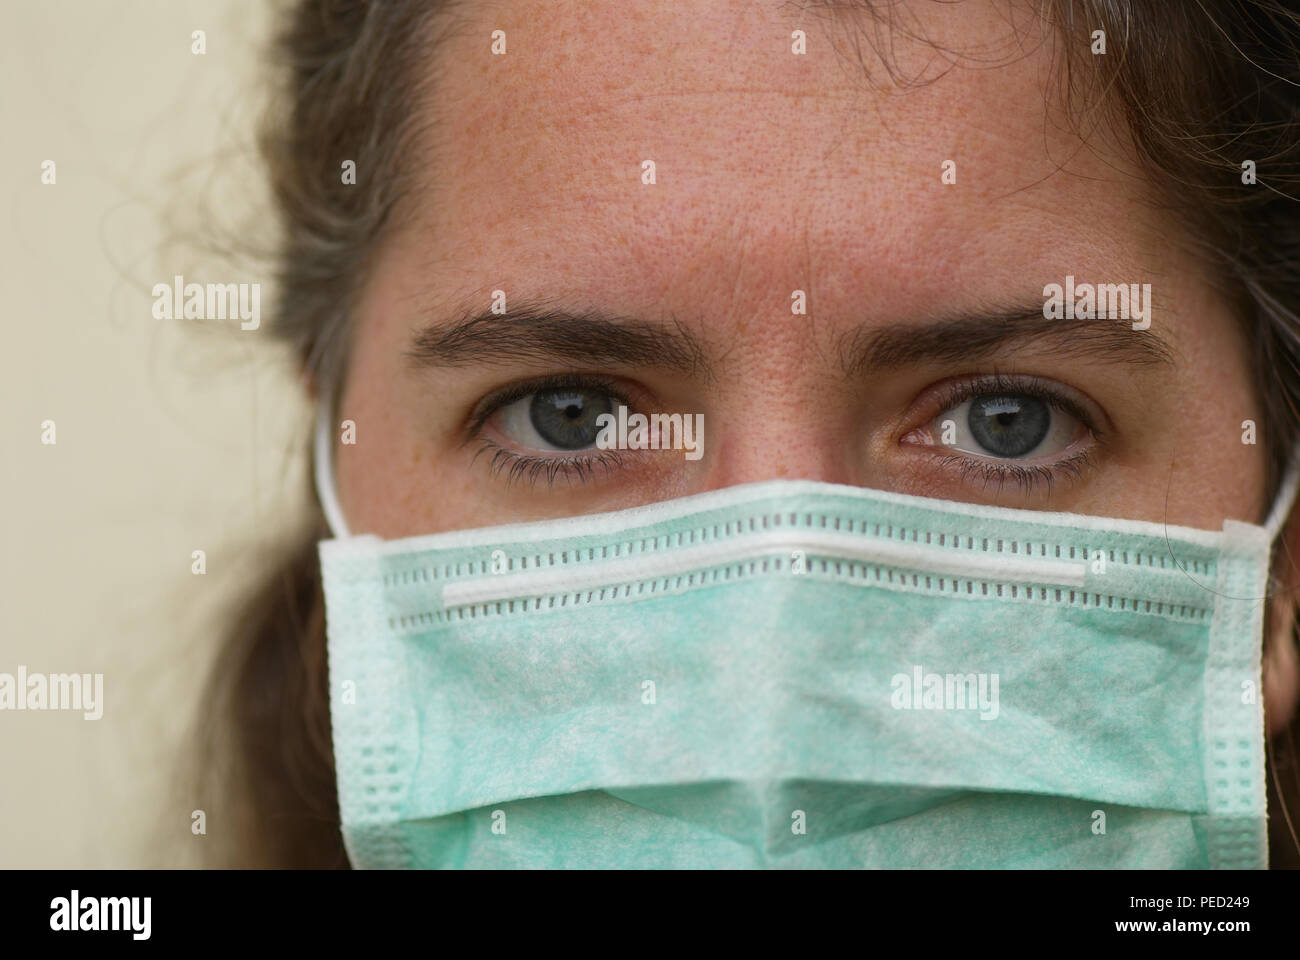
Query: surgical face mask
[[799, 674]]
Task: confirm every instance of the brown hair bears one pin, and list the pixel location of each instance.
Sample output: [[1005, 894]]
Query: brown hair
[[1202, 90], [351, 84]]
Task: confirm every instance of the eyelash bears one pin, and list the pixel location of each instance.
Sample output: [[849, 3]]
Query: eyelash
[[1027, 478], [516, 466]]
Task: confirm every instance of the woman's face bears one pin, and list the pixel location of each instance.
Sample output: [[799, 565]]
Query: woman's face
[[775, 173]]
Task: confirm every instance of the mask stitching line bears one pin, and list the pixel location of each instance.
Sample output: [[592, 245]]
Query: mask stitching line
[[1155, 558], [895, 581]]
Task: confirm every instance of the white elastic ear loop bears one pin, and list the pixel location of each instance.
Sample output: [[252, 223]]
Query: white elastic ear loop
[[1285, 499], [324, 459]]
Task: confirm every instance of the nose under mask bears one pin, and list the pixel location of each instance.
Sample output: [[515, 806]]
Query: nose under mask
[[798, 674]]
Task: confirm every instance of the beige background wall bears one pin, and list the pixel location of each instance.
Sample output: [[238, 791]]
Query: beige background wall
[[172, 436]]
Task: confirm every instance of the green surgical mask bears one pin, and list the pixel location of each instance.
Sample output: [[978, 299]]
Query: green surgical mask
[[799, 674]]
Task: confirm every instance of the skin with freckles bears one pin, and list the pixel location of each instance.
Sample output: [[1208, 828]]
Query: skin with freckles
[[777, 172]]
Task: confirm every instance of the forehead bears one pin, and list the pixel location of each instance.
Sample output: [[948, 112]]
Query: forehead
[[774, 171]]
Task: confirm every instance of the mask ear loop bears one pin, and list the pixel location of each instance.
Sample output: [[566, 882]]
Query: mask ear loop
[[323, 453], [1285, 499], [1278, 514]]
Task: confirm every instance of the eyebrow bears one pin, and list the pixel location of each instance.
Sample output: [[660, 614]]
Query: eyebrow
[[974, 336], [537, 332]]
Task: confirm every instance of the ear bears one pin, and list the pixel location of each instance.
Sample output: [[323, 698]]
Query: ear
[[308, 383], [1281, 662]]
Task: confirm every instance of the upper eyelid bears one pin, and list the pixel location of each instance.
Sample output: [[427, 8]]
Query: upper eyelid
[[960, 390], [512, 393]]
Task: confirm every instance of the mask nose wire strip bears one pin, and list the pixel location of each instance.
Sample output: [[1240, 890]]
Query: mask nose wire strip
[[925, 560], [324, 465]]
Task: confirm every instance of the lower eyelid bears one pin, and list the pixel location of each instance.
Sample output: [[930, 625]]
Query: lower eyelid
[[980, 473], [1027, 476], [580, 464], [586, 465]]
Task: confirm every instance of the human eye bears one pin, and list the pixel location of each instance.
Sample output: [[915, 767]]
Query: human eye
[[998, 429], [546, 428]]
